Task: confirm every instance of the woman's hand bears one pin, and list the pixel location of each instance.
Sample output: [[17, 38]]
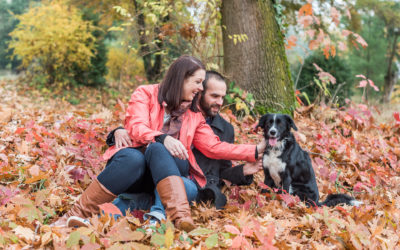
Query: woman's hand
[[261, 147], [176, 148], [122, 139]]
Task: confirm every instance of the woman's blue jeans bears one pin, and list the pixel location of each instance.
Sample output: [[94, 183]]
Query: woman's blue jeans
[[131, 171], [144, 201]]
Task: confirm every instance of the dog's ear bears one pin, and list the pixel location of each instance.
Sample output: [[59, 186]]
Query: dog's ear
[[291, 122], [261, 122]]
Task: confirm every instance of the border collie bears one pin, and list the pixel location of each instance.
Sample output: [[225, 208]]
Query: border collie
[[288, 167]]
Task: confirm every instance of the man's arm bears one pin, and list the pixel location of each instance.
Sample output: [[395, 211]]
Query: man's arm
[[119, 137], [238, 175]]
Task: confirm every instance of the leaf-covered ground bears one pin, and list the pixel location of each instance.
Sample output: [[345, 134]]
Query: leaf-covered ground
[[49, 151]]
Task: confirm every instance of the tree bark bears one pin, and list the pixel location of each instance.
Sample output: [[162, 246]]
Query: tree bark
[[152, 66], [390, 77], [259, 64]]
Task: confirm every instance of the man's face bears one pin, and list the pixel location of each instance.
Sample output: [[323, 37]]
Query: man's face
[[213, 98]]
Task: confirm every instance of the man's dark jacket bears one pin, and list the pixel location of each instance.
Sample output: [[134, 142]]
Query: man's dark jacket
[[215, 170]]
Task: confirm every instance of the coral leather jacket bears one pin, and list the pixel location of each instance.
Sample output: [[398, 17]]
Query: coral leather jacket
[[144, 120]]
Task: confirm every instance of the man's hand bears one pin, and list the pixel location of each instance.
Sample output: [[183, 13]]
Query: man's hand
[[122, 139], [261, 147], [252, 168], [176, 148]]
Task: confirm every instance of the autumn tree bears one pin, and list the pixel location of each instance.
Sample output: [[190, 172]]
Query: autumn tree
[[389, 13], [257, 61], [370, 61], [52, 39], [151, 29], [8, 23]]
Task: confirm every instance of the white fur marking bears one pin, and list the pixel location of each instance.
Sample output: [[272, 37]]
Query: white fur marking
[[356, 203], [273, 124], [290, 189], [274, 164]]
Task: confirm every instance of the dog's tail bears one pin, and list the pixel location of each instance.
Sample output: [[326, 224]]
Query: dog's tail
[[336, 199]]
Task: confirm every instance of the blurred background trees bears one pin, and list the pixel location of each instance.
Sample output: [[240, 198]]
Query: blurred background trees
[[267, 49]]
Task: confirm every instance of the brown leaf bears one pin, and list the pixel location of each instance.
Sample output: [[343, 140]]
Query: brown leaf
[[123, 232]]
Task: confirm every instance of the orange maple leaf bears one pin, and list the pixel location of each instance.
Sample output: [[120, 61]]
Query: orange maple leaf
[[306, 10]]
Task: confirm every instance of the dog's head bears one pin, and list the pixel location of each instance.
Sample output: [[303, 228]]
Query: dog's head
[[276, 127]]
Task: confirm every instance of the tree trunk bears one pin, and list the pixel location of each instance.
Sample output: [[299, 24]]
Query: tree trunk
[[151, 66], [390, 77], [259, 64]]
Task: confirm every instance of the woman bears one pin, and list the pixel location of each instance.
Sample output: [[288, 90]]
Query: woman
[[163, 122]]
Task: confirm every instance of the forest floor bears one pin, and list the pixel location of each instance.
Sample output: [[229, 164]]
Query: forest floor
[[50, 149]]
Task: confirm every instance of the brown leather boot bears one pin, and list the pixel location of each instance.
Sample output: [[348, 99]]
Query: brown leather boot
[[173, 196], [87, 205]]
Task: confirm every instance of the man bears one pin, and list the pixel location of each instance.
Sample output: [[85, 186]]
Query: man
[[215, 170], [210, 103]]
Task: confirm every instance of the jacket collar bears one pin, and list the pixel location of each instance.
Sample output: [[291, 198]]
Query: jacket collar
[[217, 123]]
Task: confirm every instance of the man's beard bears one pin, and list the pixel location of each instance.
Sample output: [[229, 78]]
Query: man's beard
[[207, 108]]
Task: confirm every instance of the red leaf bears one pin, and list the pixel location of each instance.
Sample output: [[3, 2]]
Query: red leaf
[[19, 131], [37, 137], [110, 208], [363, 84], [396, 116], [247, 231], [70, 189], [332, 177], [319, 161], [237, 241], [372, 180], [342, 210], [99, 120], [289, 199], [357, 187], [247, 205], [335, 16], [231, 229]]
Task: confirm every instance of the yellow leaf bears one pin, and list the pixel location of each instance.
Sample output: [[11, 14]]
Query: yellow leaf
[[169, 237]]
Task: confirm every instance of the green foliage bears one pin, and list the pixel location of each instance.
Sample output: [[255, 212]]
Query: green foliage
[[52, 41], [97, 69], [313, 87], [8, 23], [371, 61], [240, 101]]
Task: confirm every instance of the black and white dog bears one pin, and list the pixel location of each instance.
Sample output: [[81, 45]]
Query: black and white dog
[[288, 167]]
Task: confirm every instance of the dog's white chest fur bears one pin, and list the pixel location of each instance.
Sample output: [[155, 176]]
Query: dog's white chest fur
[[274, 164]]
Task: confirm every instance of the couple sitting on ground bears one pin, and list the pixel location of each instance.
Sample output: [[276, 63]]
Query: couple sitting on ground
[[211, 100], [167, 137]]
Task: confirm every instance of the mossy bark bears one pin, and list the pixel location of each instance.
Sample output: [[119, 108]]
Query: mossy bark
[[259, 64]]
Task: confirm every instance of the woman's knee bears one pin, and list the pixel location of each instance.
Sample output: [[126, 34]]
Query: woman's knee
[[130, 158], [155, 148], [127, 160], [126, 168]]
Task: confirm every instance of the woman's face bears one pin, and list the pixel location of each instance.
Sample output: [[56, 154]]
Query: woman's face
[[193, 85]]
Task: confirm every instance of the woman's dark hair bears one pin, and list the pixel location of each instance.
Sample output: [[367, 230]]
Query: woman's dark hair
[[172, 85]]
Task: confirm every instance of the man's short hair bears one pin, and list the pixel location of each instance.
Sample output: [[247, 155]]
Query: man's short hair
[[212, 74]]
